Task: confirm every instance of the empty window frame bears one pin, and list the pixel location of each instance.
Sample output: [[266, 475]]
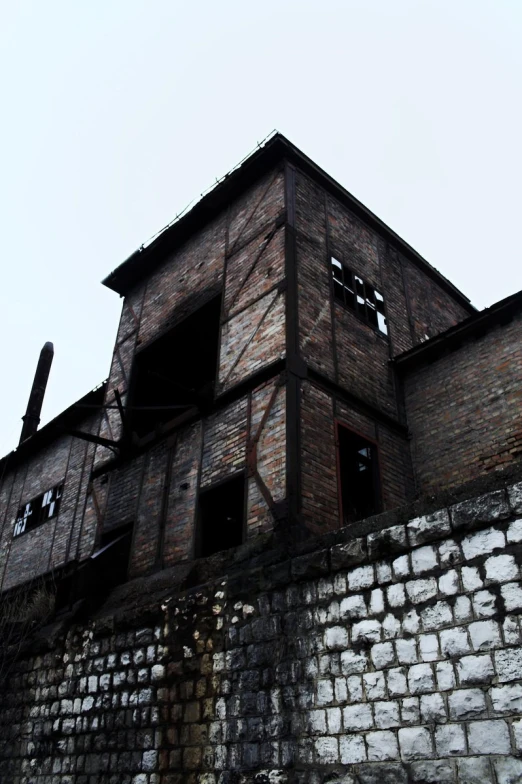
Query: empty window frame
[[37, 511], [221, 516], [352, 292], [359, 483], [177, 371]]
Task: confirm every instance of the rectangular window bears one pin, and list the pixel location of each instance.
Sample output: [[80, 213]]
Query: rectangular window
[[221, 516], [42, 508], [352, 292], [177, 371], [358, 476]]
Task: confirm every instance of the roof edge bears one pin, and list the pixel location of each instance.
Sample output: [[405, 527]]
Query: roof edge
[[55, 428], [275, 149], [479, 323]]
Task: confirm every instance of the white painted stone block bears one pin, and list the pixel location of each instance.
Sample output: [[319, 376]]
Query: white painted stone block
[[336, 638], [353, 607], [475, 770], [466, 704], [327, 750], [450, 740], [488, 737], [501, 568], [411, 622], [406, 651], [401, 566], [511, 630], [410, 711], [445, 676], [374, 685], [471, 579], [484, 635], [376, 601], [462, 608], [352, 749], [517, 733], [396, 679], [437, 616], [483, 604], [353, 662], [361, 577], [357, 717], [507, 699], [396, 595], [454, 642], [355, 688], [449, 553], [384, 572], [386, 714], [317, 722], [508, 664], [325, 694], [333, 720], [382, 655], [422, 589], [514, 532], [368, 631], [449, 583], [415, 743], [341, 690], [432, 708], [475, 669], [482, 543], [508, 770], [512, 595], [391, 627], [420, 678], [424, 559], [428, 647], [382, 745]]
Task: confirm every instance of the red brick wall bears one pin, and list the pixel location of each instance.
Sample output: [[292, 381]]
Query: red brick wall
[[319, 458], [339, 344], [465, 409], [53, 543]]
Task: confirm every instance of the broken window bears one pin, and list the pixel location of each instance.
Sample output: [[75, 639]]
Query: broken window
[[38, 511], [177, 371], [221, 516], [352, 292], [358, 476]]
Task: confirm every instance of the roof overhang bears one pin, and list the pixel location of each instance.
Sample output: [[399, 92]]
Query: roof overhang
[[276, 150]]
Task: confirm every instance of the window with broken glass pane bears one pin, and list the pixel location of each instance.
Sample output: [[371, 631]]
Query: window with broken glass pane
[[352, 292], [37, 511]]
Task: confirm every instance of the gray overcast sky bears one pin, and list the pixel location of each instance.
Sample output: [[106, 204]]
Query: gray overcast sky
[[118, 113]]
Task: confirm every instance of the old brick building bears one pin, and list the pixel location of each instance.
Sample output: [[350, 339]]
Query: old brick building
[[285, 367]]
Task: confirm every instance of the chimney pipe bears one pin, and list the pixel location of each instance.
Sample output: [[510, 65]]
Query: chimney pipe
[[31, 419]]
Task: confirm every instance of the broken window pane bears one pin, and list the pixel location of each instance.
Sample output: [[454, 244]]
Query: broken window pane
[[221, 516], [358, 475], [42, 508], [358, 295]]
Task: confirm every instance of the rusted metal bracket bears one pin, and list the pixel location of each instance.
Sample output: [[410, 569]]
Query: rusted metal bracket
[[106, 442]]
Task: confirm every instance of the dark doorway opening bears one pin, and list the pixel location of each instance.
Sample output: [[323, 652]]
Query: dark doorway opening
[[358, 476], [177, 371], [221, 516]]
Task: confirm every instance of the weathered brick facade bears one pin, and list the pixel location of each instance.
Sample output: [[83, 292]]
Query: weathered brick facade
[[237, 365]]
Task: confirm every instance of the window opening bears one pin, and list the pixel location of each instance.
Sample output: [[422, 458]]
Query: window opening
[[42, 508], [221, 516], [352, 292], [177, 371], [358, 476]]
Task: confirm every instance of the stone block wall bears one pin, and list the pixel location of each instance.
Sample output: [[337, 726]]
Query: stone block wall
[[392, 656]]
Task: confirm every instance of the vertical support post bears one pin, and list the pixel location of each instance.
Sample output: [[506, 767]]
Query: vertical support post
[[294, 364]]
